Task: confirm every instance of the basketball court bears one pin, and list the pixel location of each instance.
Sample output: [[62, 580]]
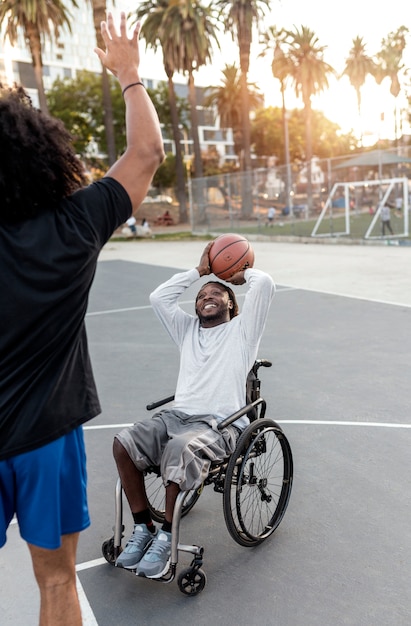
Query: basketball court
[[338, 337]]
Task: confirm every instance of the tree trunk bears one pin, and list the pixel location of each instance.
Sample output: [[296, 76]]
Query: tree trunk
[[289, 185], [245, 114], [309, 151], [358, 91], [246, 180], [99, 15], [180, 187], [198, 165], [33, 36]]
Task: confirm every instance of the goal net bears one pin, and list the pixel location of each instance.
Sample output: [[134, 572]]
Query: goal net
[[354, 208]]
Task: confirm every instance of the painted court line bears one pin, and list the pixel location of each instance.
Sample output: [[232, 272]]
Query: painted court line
[[148, 306], [331, 423], [88, 617], [301, 422], [344, 295]]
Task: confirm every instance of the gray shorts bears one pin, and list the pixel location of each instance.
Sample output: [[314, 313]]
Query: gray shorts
[[183, 446]]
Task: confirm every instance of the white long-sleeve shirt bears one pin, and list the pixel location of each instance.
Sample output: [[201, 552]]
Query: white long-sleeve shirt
[[214, 362]]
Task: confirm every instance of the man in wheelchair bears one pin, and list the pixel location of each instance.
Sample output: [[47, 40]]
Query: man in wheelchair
[[218, 347]]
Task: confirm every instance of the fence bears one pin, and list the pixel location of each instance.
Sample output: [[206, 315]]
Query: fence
[[240, 201]]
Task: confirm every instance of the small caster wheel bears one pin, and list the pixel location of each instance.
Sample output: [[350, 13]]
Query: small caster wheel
[[191, 581], [108, 550]]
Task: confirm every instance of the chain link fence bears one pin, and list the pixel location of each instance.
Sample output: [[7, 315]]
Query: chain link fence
[[240, 201]]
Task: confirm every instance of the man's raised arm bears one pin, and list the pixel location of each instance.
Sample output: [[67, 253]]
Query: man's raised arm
[[144, 153]]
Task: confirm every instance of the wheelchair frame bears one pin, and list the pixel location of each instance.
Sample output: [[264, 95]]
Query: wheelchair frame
[[255, 481]]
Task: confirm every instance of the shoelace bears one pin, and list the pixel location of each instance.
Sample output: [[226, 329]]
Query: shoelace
[[137, 538], [158, 548]]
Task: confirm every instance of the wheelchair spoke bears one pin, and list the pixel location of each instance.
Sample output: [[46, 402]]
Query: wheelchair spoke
[[260, 484]]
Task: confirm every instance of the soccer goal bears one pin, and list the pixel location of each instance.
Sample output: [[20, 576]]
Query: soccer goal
[[344, 201]]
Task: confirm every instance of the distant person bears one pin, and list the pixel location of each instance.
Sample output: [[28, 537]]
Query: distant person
[[270, 216], [131, 223], [52, 228], [165, 219], [145, 227], [385, 219]]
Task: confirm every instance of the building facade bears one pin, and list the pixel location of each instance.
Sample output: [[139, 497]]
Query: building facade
[[73, 51]]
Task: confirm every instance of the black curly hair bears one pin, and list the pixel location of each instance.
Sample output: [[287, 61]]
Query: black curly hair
[[38, 165]]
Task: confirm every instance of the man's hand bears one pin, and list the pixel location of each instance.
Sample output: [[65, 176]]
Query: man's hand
[[237, 278], [121, 56], [204, 265]]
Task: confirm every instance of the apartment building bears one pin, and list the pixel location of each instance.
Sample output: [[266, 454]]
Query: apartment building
[[74, 51]]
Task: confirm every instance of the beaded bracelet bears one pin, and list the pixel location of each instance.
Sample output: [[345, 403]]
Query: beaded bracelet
[[132, 85]]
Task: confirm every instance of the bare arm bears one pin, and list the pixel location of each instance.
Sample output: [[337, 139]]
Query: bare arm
[[135, 169]]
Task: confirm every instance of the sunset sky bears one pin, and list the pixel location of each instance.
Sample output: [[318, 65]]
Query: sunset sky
[[335, 25]]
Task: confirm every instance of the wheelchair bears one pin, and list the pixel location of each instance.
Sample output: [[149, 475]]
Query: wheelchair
[[255, 482]]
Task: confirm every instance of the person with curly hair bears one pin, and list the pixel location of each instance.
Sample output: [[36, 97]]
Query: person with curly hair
[[52, 228]]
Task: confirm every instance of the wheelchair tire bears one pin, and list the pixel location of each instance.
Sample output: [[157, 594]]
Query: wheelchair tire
[[156, 497], [107, 549], [192, 581], [258, 483]]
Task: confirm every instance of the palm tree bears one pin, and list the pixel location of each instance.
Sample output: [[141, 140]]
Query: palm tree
[[309, 74], [154, 11], [281, 67], [38, 20], [99, 15], [187, 34], [389, 64], [227, 99], [184, 30], [239, 18], [358, 65]]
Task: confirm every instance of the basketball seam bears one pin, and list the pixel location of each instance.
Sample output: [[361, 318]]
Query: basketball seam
[[227, 269], [227, 246]]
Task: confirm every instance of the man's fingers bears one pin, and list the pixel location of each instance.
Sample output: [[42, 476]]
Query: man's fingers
[[123, 24]]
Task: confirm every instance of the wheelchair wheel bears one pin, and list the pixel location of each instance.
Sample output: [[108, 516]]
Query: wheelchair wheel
[[258, 483], [156, 497], [192, 581], [107, 549]]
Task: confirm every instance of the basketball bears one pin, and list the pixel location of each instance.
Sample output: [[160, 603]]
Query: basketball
[[230, 254]]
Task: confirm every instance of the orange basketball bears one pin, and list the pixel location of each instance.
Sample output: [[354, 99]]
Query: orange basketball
[[229, 254]]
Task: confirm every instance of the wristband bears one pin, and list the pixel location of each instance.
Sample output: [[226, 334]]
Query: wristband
[[131, 85]]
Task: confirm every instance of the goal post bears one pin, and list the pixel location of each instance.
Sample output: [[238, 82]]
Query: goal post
[[344, 192]]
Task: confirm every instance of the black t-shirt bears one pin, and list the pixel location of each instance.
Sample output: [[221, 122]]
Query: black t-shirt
[[47, 266]]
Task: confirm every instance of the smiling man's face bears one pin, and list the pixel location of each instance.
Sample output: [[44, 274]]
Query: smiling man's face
[[213, 305]]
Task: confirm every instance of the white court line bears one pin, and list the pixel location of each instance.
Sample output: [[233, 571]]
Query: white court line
[[88, 617], [331, 423], [89, 564], [241, 295], [125, 310], [302, 422], [345, 295], [148, 306]]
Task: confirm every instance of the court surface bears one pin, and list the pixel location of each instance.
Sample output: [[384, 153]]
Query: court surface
[[338, 335]]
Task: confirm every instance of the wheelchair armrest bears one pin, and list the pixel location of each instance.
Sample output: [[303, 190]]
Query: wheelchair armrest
[[235, 416], [154, 405]]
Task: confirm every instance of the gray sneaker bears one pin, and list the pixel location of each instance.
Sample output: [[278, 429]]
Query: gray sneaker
[[156, 561], [135, 547]]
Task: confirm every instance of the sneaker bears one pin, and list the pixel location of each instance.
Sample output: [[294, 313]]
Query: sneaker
[[135, 547], [156, 561]]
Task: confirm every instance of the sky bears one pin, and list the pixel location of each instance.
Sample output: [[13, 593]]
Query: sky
[[336, 25]]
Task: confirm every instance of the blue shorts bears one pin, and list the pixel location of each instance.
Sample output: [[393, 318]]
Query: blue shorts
[[47, 490]]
